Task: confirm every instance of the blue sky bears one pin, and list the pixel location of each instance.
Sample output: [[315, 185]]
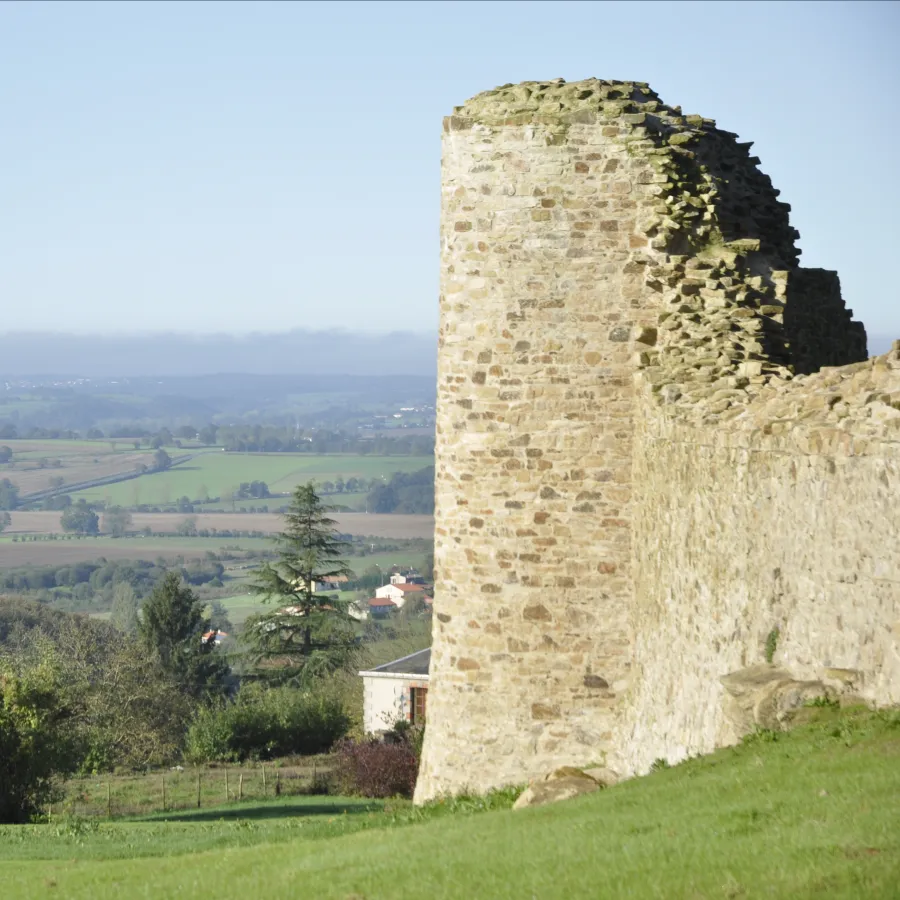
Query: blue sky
[[265, 166]]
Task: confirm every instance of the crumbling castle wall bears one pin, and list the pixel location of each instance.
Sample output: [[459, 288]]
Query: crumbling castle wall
[[621, 308], [777, 527]]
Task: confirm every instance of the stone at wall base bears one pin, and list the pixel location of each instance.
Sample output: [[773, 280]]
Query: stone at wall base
[[766, 696], [564, 784], [605, 777]]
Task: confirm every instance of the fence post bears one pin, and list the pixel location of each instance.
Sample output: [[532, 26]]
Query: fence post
[[164, 792], [198, 789], [264, 779], [226, 784], [241, 786], [278, 784], [108, 802]]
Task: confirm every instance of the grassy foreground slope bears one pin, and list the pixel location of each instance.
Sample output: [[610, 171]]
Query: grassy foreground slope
[[814, 813]]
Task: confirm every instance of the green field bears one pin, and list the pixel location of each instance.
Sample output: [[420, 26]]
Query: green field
[[810, 814], [220, 473]]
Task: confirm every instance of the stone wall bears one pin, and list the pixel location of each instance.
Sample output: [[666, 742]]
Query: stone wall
[[620, 296], [782, 522]]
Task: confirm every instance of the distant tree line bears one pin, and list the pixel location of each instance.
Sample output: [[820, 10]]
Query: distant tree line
[[248, 439], [406, 492], [91, 586], [276, 439]]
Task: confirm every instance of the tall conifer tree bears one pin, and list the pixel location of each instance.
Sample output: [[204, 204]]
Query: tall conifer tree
[[311, 633]]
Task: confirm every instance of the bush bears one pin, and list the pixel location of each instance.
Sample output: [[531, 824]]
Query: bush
[[373, 768], [264, 724]]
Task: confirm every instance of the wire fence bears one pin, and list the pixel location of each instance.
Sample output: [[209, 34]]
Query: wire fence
[[187, 789]]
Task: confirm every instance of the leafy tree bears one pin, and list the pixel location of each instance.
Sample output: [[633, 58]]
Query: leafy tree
[[161, 459], [121, 710], [171, 629], [80, 518], [116, 521], [208, 434], [188, 432], [9, 494], [6, 454], [428, 568], [5, 521], [311, 634], [187, 527], [124, 615], [411, 492], [36, 739], [218, 617]]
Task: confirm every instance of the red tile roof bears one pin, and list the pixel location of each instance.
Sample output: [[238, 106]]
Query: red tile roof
[[409, 587], [381, 601]]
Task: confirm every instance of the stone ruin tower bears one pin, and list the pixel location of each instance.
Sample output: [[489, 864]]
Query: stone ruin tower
[[626, 343]]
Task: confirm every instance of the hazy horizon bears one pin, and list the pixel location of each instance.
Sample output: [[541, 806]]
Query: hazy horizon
[[295, 352]]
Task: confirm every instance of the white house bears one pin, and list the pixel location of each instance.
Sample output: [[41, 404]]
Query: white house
[[398, 592], [396, 690], [408, 578]]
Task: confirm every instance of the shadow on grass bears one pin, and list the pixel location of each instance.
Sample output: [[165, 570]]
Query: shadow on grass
[[265, 811]]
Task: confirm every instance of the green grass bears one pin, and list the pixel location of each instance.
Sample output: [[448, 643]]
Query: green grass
[[140, 795], [242, 606], [221, 473], [811, 814]]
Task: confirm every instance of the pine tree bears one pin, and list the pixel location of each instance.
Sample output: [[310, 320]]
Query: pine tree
[[311, 633], [171, 629]]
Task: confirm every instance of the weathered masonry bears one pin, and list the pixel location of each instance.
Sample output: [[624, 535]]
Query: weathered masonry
[[659, 442]]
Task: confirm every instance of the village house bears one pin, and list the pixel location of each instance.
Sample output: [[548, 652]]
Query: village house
[[381, 607], [395, 691], [407, 578], [399, 593], [335, 583]]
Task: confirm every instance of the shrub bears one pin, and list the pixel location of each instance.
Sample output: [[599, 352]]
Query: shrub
[[771, 644], [373, 768], [266, 723]]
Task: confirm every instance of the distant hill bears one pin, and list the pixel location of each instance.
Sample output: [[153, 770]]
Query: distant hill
[[287, 353]]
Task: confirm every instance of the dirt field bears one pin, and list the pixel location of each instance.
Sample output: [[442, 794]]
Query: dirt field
[[80, 461], [388, 526]]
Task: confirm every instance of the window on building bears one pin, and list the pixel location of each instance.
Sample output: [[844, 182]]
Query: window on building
[[417, 701]]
